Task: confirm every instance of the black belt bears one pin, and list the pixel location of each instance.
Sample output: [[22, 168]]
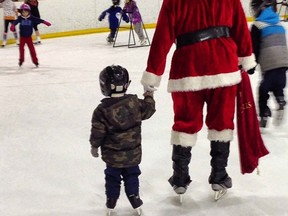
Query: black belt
[[202, 35]]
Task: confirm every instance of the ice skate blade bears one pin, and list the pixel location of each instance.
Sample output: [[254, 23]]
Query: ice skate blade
[[138, 211], [279, 118], [109, 212], [219, 194], [181, 198]]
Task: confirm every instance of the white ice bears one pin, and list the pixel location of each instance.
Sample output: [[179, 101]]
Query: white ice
[[45, 162]]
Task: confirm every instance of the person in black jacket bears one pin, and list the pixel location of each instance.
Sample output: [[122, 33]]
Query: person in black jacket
[[116, 129]]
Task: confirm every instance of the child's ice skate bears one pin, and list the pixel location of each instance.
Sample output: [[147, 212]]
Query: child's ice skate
[[136, 203], [263, 122], [4, 43], [264, 119], [143, 42], [278, 120], [37, 42], [110, 39], [110, 204]]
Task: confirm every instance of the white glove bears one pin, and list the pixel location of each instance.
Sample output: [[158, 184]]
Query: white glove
[[149, 88], [94, 152]]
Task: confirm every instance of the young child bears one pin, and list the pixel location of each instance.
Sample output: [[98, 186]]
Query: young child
[[35, 12], [27, 21], [270, 48], [10, 14], [114, 13], [116, 129], [135, 17]]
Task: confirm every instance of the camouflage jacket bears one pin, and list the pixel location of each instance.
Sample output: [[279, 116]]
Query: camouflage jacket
[[116, 129]]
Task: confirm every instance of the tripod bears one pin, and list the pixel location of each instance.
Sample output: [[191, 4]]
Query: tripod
[[131, 38], [283, 6]]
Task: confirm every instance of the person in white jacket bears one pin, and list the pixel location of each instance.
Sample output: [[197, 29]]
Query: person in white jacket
[[10, 14]]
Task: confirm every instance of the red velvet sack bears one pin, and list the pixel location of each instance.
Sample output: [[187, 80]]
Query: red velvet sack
[[251, 146]]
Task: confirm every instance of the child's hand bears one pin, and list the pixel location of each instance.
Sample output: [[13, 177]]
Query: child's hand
[[94, 152], [47, 23], [148, 94]]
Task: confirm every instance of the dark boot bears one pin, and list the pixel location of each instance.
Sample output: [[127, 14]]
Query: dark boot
[[111, 203], [135, 201], [219, 178], [181, 157]]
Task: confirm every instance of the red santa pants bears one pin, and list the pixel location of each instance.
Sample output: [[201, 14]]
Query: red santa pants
[[29, 42], [188, 109]]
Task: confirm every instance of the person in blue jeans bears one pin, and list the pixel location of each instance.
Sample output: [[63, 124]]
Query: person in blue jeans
[[114, 13], [116, 130]]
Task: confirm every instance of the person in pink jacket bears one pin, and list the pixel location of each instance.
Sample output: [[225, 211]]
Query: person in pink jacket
[[132, 9], [212, 39]]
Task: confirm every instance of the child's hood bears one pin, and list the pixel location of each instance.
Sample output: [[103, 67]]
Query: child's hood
[[269, 16]]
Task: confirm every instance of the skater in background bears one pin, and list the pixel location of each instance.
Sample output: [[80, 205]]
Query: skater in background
[[199, 75], [135, 17], [270, 48], [114, 14], [10, 13], [116, 129], [26, 21], [35, 12]]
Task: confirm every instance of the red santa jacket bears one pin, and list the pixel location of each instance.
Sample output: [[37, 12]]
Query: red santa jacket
[[208, 64]]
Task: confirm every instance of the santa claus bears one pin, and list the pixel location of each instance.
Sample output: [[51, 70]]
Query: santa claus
[[212, 39]]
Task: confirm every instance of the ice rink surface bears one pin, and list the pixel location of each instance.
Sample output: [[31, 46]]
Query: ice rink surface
[[45, 162]]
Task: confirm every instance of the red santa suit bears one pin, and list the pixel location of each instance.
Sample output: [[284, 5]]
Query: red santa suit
[[203, 72]]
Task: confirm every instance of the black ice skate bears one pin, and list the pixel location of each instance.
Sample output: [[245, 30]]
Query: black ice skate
[[110, 39], [221, 188], [263, 122], [110, 204], [181, 189], [264, 119], [219, 179], [37, 43], [136, 203]]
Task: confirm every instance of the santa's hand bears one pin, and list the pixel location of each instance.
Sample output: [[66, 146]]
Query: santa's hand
[[149, 88], [251, 71]]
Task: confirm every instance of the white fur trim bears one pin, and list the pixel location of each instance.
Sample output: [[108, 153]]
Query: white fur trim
[[204, 82], [183, 139], [150, 79], [224, 135], [247, 62]]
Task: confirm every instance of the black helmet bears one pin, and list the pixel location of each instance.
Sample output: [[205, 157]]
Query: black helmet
[[258, 5], [116, 2], [114, 79]]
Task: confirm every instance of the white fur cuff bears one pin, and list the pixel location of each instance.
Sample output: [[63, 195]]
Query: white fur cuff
[[224, 135], [248, 62], [183, 139], [150, 79]]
